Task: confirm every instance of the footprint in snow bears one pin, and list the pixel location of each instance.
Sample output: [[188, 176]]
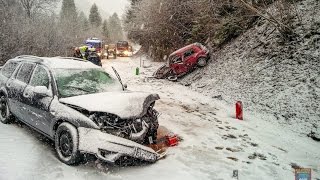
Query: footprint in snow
[[229, 127], [233, 149], [231, 136], [257, 155], [219, 148], [254, 144], [233, 158]]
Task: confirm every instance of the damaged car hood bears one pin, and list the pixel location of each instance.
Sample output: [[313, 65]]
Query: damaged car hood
[[123, 104]]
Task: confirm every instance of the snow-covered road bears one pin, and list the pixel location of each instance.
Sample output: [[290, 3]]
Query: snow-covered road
[[214, 143]]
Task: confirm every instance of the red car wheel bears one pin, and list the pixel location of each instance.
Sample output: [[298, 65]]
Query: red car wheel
[[202, 62]]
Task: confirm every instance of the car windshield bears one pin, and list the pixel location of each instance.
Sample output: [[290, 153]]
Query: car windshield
[[122, 44], [75, 82], [112, 46]]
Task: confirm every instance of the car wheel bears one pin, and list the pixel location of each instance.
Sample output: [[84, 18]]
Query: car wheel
[[202, 62], [67, 144], [5, 114], [173, 78]]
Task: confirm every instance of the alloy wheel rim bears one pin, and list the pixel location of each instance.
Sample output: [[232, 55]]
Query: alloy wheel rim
[[65, 144], [202, 62]]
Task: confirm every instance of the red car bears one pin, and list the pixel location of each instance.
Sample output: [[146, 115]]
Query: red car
[[183, 61]]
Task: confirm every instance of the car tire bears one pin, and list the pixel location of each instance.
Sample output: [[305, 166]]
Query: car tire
[[67, 144], [202, 62], [5, 114], [173, 78]]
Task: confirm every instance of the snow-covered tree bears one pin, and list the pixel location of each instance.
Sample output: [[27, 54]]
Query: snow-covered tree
[[31, 7], [84, 22], [94, 16], [105, 30], [68, 11], [115, 28]]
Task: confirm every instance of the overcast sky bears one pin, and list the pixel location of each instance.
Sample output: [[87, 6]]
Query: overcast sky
[[111, 6], [106, 7]]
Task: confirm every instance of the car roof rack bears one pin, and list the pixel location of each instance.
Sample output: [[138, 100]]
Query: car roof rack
[[71, 58], [30, 57]]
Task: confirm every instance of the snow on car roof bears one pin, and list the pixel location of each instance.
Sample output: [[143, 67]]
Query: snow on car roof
[[64, 63]]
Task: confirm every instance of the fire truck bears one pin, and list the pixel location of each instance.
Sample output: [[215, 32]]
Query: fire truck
[[124, 49]]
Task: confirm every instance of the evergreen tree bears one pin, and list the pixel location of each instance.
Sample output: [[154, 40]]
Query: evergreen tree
[[129, 14], [68, 11], [84, 22], [115, 28], [68, 20], [105, 29], [95, 17]]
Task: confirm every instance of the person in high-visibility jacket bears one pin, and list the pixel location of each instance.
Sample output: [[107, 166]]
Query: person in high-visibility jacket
[[85, 52]]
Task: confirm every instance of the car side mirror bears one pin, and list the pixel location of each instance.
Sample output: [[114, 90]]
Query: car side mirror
[[41, 91]]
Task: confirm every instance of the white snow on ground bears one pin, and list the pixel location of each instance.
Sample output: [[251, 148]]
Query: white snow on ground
[[206, 126]]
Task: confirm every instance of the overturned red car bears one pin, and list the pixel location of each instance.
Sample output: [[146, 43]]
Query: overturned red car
[[183, 61]]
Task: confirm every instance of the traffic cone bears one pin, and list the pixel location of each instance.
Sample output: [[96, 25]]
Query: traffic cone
[[239, 110]]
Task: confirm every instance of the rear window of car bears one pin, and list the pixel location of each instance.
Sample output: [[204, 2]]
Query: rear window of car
[[25, 72], [9, 68], [202, 47], [122, 44]]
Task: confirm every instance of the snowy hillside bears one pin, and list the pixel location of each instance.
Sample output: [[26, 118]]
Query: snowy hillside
[[281, 79]]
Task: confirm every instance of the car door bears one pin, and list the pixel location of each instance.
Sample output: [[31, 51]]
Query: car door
[[15, 86], [177, 65], [39, 105], [189, 58]]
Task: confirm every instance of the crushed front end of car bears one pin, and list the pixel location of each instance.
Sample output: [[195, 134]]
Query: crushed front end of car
[[142, 129], [110, 148], [120, 134]]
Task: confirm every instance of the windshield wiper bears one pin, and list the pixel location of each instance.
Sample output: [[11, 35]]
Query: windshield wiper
[[84, 90], [119, 78]]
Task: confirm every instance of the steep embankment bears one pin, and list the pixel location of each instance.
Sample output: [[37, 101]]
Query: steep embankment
[[269, 75]]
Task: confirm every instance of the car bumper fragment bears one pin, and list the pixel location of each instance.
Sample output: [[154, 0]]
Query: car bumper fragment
[[110, 148]]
